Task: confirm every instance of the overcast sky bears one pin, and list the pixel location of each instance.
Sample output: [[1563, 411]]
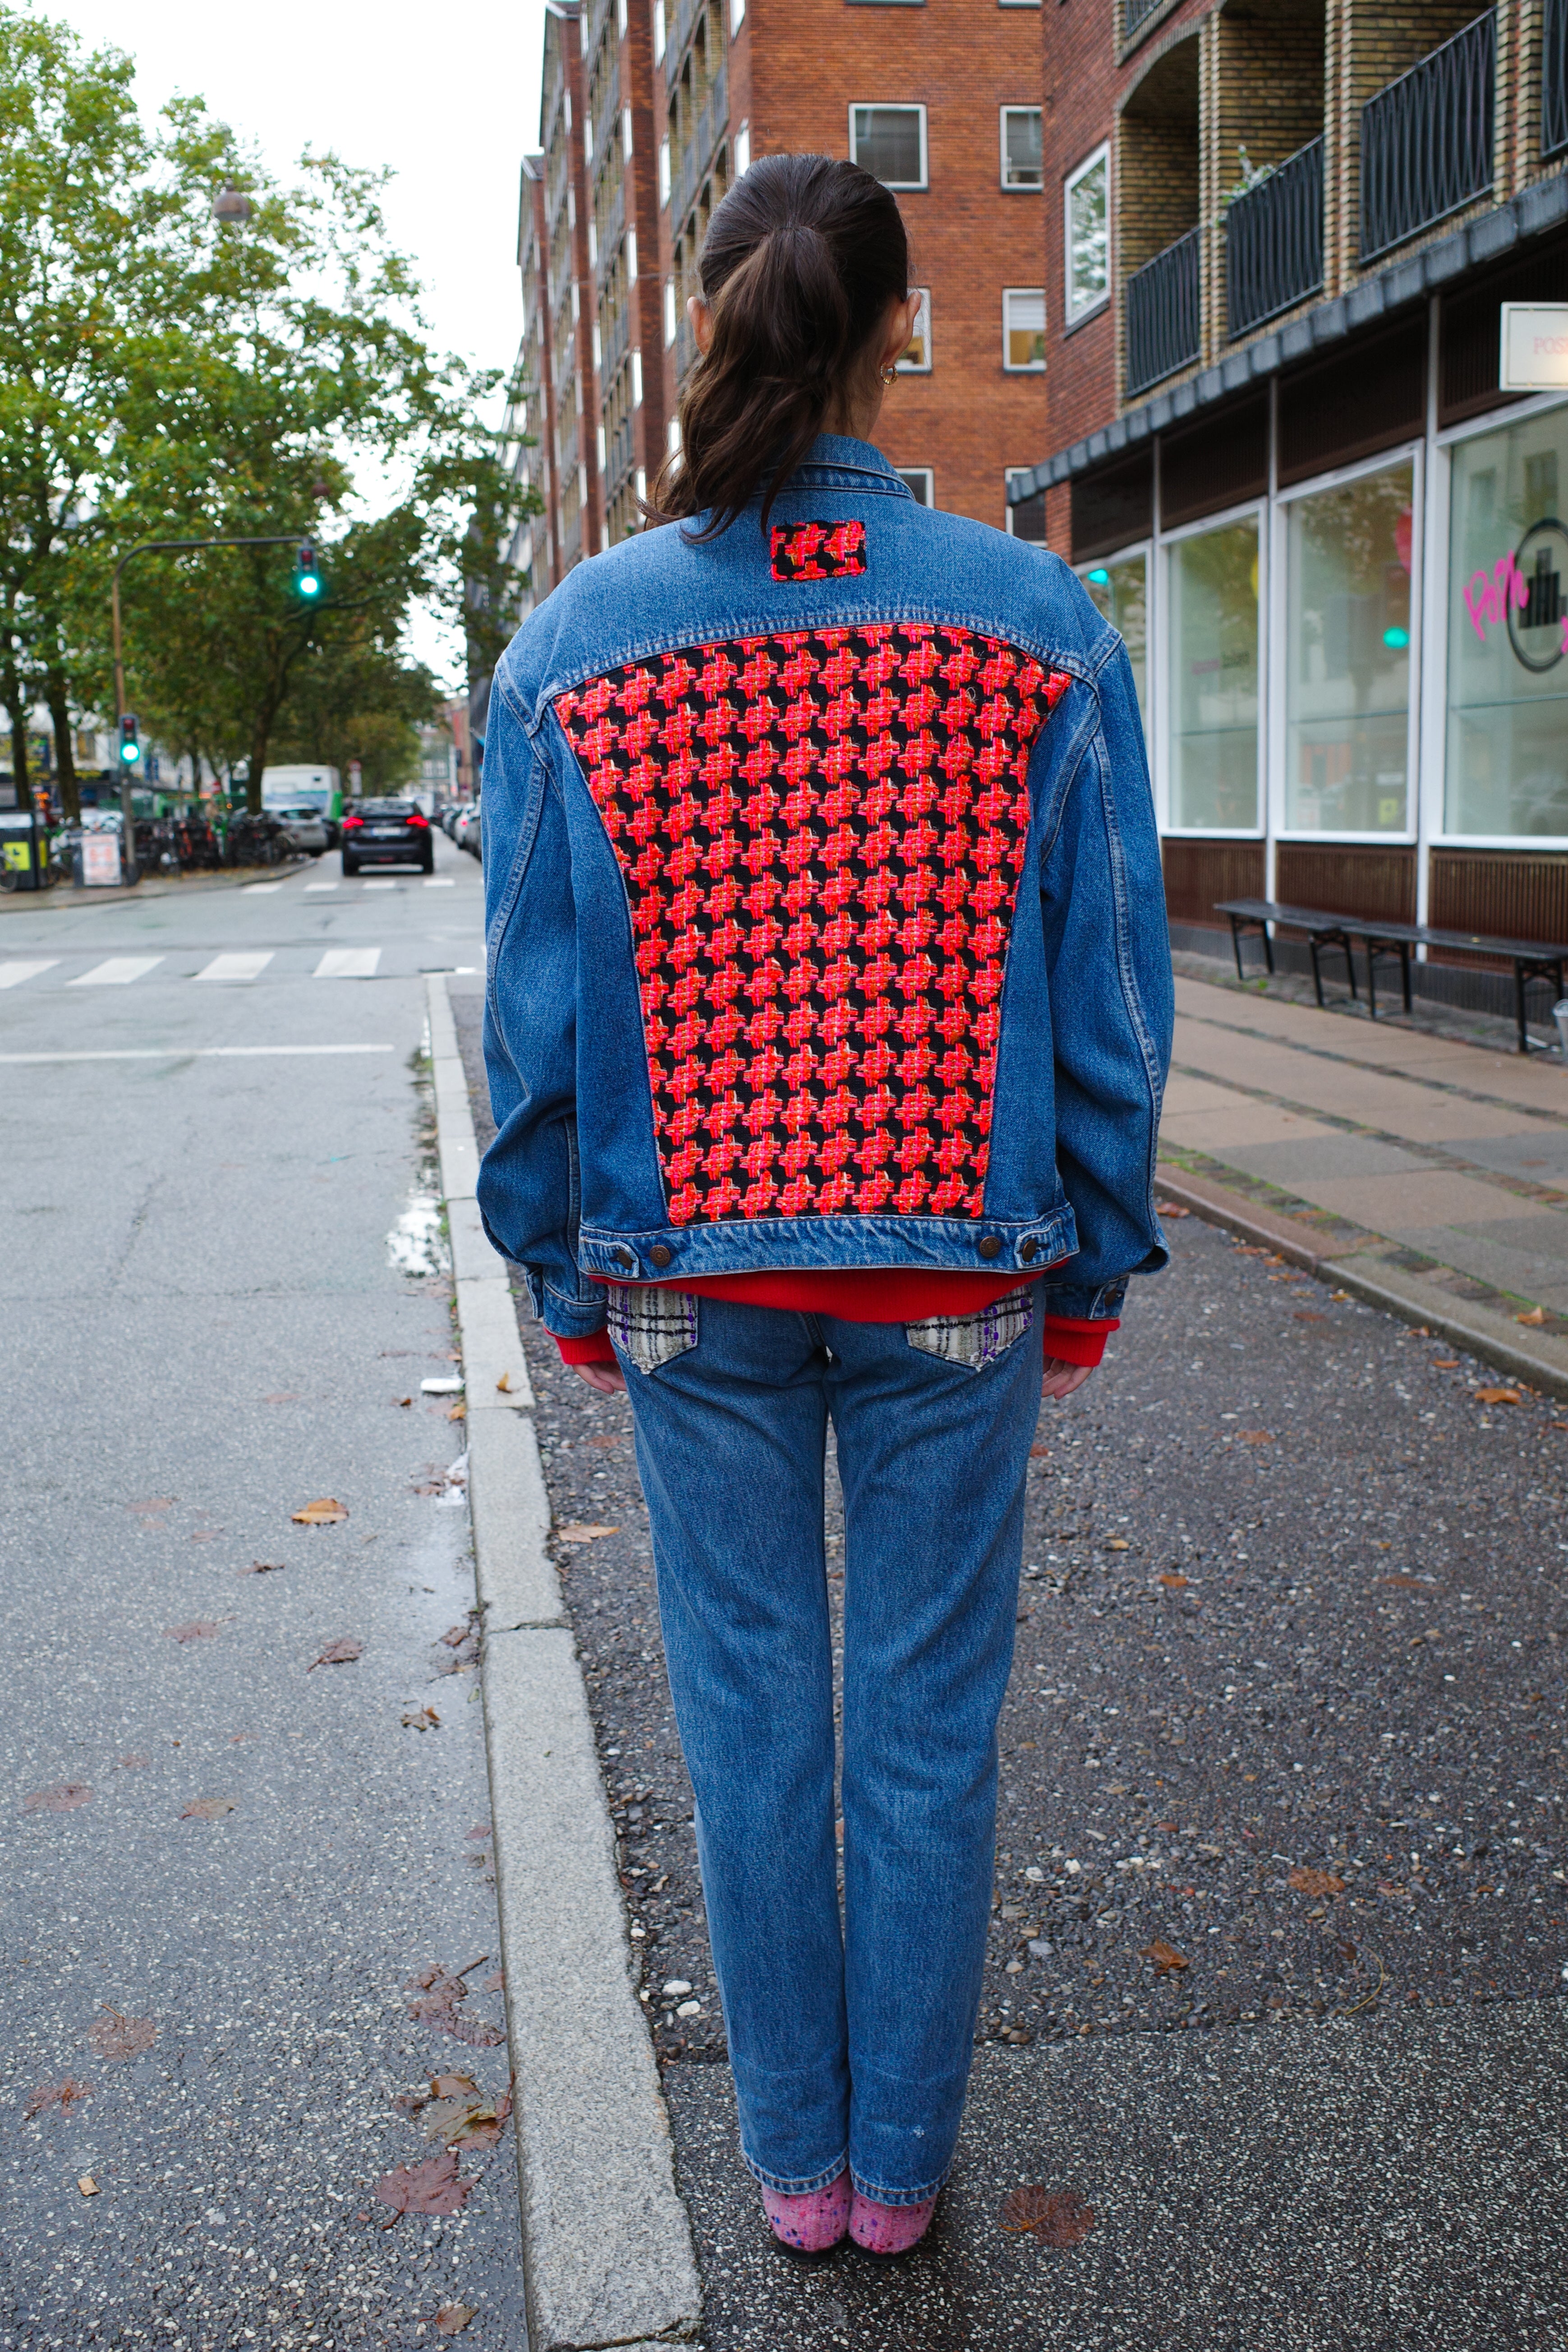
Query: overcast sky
[[447, 97]]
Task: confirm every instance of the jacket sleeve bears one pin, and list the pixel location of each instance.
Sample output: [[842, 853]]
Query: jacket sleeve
[[1108, 957], [528, 1185]]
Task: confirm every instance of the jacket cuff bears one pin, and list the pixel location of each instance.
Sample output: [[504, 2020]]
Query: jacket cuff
[[1076, 1339], [594, 1350], [1083, 1302]]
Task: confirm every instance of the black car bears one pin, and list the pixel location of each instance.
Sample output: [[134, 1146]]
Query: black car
[[387, 832]]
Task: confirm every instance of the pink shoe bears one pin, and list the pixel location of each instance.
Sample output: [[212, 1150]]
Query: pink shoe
[[814, 2225], [889, 2229]]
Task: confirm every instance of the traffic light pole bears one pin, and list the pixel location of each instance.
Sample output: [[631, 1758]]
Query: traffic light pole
[[127, 773]]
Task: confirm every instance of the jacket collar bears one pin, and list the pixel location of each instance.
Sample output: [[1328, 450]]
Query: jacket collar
[[833, 455]]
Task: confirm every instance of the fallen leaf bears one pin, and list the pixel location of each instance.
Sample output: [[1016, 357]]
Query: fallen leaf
[[455, 1635], [579, 1531], [1306, 1314], [1557, 1424], [115, 2035], [433, 2186], [1170, 1209], [505, 1384], [323, 1513], [59, 1797], [1057, 2217], [64, 2095], [1537, 1316], [460, 1412], [453, 2318], [425, 1720], [201, 1629], [1254, 1437], [1117, 1543], [1498, 1396], [437, 2005], [405, 1400], [134, 1763], [153, 1503], [1445, 1363], [87, 2184], [1165, 1957], [1173, 1583], [1339, 1298], [1397, 1576], [1039, 1453], [262, 1568], [208, 1808], [1314, 1882], [338, 1654], [496, 1983], [480, 1830]]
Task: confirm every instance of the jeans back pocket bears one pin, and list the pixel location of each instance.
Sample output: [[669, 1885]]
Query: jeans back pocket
[[977, 1338], [652, 1327]]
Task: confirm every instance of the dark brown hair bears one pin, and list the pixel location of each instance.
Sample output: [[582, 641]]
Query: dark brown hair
[[799, 265]]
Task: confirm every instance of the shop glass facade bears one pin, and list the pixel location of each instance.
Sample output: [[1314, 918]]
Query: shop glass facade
[[1506, 771], [1347, 676], [1121, 590], [1214, 673]]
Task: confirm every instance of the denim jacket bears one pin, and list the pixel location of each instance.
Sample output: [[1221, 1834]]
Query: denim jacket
[[823, 911]]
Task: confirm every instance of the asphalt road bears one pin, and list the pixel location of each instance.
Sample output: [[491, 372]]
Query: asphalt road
[[230, 1855], [1282, 1764]]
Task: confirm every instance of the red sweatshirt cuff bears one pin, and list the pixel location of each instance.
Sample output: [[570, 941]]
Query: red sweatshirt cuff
[[1073, 1339], [594, 1349]]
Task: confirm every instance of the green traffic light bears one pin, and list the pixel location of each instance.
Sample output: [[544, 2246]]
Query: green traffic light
[[308, 585], [131, 754]]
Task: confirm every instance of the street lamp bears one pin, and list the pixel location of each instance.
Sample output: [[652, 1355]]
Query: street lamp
[[231, 206]]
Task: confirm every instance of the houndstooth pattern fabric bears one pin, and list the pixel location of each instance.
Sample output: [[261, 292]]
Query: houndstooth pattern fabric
[[822, 836], [974, 1339], [651, 1327]]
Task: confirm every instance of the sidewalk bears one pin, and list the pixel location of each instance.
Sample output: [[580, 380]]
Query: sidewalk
[[1428, 1174], [1273, 1986]]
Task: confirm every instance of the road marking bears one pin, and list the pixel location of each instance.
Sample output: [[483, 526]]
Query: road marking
[[348, 963], [12, 975], [439, 882], [258, 889], [322, 886], [378, 886], [190, 1052], [118, 973], [249, 966]]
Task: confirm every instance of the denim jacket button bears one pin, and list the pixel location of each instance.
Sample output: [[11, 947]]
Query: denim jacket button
[[991, 1246], [660, 1254], [1029, 1252], [624, 1257]]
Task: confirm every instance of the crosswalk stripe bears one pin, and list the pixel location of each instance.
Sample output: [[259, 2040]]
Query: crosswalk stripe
[[378, 886], [322, 886], [348, 963], [118, 973], [12, 975], [258, 889], [439, 882], [249, 966]]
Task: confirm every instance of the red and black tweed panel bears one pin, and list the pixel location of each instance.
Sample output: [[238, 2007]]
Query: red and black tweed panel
[[822, 835], [818, 551]]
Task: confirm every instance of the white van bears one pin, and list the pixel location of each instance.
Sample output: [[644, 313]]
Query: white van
[[281, 786]]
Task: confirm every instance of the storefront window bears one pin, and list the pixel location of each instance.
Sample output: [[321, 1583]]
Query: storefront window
[[1507, 632], [1122, 591], [1347, 694], [1213, 679]]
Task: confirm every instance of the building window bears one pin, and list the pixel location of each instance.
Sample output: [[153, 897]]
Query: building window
[[1347, 636], [737, 16], [890, 142], [1022, 159], [1121, 592], [919, 479], [641, 479], [1213, 679], [631, 257], [637, 378], [663, 172], [916, 359], [1507, 766], [1087, 200], [1027, 518], [659, 32], [742, 151], [626, 134], [668, 312], [1024, 329]]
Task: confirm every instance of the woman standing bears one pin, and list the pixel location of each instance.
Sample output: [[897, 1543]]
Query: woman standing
[[830, 1010]]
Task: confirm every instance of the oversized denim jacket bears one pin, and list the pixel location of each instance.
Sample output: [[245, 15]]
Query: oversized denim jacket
[[823, 911]]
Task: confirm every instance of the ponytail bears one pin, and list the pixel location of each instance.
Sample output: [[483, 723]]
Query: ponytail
[[800, 263]]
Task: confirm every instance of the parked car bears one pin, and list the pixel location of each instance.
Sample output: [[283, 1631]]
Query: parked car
[[465, 831], [308, 828], [387, 832], [250, 840]]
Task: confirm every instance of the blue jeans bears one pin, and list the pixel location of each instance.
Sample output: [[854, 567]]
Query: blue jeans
[[848, 2043]]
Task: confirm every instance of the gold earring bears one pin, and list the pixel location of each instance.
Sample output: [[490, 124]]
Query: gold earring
[[889, 373]]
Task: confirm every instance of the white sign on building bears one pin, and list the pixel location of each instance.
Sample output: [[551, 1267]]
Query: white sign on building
[[1534, 356]]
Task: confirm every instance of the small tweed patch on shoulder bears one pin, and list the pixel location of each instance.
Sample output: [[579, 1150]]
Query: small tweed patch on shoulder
[[818, 551]]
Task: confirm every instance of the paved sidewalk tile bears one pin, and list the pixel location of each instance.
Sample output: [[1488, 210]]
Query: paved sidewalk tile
[[1426, 1114]]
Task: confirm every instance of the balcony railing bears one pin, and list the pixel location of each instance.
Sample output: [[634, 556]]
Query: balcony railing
[[1274, 241], [679, 17], [1554, 79], [1135, 13], [708, 130], [1163, 329], [685, 348], [1427, 140]]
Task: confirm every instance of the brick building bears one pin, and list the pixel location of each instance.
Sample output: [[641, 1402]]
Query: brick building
[[651, 108], [1278, 234]]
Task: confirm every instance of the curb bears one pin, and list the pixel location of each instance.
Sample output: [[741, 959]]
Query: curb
[[1542, 1363], [606, 2245]]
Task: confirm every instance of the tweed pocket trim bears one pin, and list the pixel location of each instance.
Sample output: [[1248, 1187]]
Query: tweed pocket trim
[[652, 1327], [975, 1340]]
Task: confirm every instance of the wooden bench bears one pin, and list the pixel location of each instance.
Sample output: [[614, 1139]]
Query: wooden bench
[[1532, 960]]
